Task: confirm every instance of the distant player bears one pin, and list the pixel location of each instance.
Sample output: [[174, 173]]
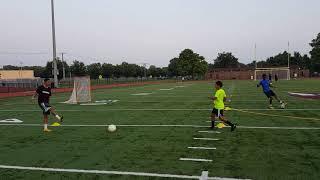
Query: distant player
[[276, 77], [270, 77], [43, 93], [218, 106], [268, 92]]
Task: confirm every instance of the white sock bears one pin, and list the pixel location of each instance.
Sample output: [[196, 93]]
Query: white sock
[[45, 126]]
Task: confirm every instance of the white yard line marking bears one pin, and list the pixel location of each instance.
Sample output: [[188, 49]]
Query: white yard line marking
[[294, 128], [207, 139], [165, 109], [93, 104], [119, 125], [118, 172], [204, 175], [100, 172], [203, 148], [166, 89], [214, 121], [169, 125], [216, 132], [12, 120], [197, 160], [141, 94]]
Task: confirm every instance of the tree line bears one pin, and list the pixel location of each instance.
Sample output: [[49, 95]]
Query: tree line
[[187, 64]]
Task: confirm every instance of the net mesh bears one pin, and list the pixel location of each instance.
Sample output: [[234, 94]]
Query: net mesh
[[81, 91], [283, 74]]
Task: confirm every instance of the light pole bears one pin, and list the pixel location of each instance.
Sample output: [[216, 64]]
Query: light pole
[[63, 68], [54, 53]]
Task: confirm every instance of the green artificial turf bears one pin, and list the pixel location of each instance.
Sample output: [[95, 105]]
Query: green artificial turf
[[245, 153]]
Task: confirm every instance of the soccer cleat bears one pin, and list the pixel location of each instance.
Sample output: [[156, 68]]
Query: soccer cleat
[[61, 118], [233, 127], [46, 130]]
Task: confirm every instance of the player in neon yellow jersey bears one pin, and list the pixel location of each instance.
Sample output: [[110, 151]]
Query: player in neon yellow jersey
[[218, 106]]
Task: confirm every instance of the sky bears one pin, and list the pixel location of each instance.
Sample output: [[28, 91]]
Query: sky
[[150, 31]]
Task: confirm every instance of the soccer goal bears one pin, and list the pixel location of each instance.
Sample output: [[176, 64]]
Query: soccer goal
[[81, 90], [280, 72]]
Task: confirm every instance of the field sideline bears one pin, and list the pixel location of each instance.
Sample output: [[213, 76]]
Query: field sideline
[[159, 128]]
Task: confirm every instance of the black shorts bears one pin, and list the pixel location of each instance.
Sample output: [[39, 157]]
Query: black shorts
[[269, 93], [217, 112], [45, 107]]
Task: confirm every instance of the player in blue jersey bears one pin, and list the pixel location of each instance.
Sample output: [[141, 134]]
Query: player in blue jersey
[[265, 84]]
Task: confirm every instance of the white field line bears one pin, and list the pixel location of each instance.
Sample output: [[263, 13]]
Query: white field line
[[169, 125], [166, 89], [215, 132], [141, 94], [132, 109], [203, 148], [197, 160], [203, 174], [207, 139]]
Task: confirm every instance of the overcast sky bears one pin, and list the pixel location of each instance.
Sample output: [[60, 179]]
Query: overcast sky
[[153, 31]]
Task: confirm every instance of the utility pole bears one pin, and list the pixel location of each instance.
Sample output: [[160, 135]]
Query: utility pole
[[255, 55], [54, 53], [288, 62], [288, 55], [63, 68]]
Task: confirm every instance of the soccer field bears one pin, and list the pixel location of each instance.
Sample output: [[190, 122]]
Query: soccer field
[[159, 124]]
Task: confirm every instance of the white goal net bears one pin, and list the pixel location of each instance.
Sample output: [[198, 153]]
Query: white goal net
[[275, 73], [81, 90]]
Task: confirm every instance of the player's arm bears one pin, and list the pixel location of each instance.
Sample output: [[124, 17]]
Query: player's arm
[[36, 93], [258, 85], [271, 85]]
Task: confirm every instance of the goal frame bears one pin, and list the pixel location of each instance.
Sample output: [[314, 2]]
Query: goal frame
[[74, 98], [272, 69]]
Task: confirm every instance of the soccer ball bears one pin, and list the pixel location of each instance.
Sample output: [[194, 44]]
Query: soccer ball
[[283, 105], [112, 128]]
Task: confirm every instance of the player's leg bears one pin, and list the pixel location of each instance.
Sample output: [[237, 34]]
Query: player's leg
[[213, 117], [45, 112], [224, 120], [270, 102], [53, 112], [276, 97], [45, 123]]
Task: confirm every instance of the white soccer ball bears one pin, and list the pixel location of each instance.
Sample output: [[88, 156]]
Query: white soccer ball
[[283, 105], [112, 128]]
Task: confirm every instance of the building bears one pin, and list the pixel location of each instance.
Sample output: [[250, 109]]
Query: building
[[16, 74]]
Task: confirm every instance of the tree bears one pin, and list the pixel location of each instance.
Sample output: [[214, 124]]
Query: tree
[[78, 68], [48, 72], [94, 70], [10, 67], [153, 71], [174, 67], [188, 64], [164, 72], [108, 70], [315, 54], [226, 60]]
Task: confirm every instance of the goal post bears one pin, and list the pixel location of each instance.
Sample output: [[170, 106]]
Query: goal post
[[81, 90], [281, 72]]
